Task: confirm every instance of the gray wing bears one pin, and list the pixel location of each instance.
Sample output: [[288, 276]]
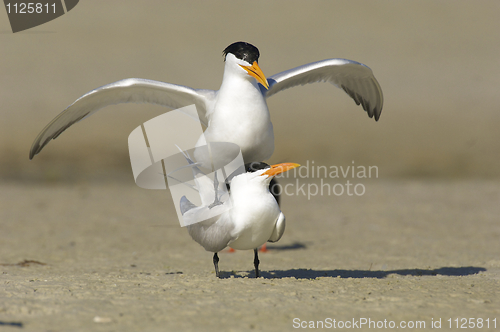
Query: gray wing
[[131, 90], [354, 78], [279, 229]]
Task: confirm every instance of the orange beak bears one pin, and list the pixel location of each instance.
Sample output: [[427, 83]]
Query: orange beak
[[279, 168], [255, 71]]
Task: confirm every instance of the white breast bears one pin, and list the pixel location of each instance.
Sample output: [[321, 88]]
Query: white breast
[[241, 116], [254, 215]]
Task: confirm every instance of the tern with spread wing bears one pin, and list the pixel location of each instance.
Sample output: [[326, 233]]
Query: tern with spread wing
[[252, 218], [237, 112]]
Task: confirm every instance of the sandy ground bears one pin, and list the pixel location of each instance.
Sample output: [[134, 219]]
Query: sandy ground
[[115, 258], [83, 248]]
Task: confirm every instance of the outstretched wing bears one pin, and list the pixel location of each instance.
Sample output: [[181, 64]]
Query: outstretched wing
[[354, 78], [131, 90]]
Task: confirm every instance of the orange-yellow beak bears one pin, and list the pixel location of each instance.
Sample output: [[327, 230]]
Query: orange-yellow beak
[[279, 168], [255, 71]]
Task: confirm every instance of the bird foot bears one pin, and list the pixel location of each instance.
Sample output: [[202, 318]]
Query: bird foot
[[215, 203]]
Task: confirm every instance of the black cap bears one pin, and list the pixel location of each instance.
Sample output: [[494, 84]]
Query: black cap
[[243, 51]]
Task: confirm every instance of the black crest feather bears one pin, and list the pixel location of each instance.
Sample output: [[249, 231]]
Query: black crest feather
[[243, 51]]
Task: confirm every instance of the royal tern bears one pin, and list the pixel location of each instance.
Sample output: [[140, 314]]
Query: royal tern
[[253, 219], [237, 112], [274, 188]]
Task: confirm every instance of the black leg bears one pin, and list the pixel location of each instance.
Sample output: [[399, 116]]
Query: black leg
[[216, 264], [256, 262], [216, 190]]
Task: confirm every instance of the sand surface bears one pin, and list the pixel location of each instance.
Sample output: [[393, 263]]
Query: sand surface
[[437, 63], [115, 258]]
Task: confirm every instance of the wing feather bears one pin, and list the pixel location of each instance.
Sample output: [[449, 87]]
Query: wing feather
[[131, 90], [356, 79]]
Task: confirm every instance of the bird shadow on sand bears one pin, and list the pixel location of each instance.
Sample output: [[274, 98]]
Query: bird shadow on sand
[[313, 274], [293, 246], [12, 324]]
